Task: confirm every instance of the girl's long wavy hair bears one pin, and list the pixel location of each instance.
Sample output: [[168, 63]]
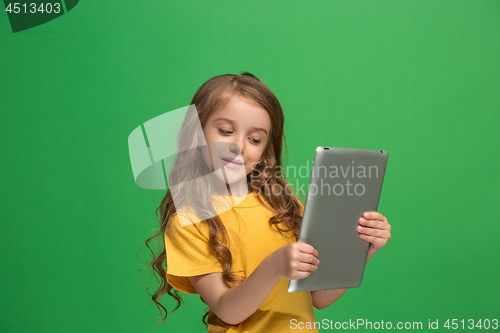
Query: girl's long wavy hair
[[264, 179]]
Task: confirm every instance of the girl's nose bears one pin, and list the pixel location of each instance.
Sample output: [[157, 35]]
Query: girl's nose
[[235, 148]]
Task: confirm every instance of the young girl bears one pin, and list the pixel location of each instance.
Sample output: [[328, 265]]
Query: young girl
[[231, 236]]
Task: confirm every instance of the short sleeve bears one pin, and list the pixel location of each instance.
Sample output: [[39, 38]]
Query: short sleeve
[[187, 250]]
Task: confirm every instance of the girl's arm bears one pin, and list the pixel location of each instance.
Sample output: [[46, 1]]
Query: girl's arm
[[233, 305], [373, 228], [324, 298]]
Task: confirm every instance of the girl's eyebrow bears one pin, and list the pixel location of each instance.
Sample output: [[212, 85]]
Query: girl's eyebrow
[[232, 123]]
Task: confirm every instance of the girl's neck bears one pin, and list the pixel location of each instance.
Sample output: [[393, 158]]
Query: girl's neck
[[236, 189]]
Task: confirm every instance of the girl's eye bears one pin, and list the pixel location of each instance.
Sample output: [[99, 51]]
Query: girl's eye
[[225, 132]]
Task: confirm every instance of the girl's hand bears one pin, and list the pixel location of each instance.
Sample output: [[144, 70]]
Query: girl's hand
[[295, 261], [375, 229]]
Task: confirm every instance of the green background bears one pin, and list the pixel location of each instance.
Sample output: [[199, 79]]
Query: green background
[[418, 78]]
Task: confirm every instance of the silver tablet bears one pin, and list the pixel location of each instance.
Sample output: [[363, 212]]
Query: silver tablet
[[344, 184]]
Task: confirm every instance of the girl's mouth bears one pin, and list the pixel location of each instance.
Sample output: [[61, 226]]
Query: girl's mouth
[[232, 163]]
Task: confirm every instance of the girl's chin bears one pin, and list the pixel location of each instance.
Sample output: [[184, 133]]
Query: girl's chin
[[231, 177]]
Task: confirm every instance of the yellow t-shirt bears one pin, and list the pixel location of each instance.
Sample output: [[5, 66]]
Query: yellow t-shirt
[[252, 239]]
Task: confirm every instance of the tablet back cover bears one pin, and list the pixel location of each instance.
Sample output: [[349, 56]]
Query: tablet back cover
[[344, 184]]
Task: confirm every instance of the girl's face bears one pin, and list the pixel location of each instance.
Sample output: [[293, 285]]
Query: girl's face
[[236, 135]]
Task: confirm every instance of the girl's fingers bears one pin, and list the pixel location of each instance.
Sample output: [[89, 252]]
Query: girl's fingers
[[306, 248], [309, 259], [377, 224], [374, 228], [377, 242], [374, 216], [380, 233], [302, 267]]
